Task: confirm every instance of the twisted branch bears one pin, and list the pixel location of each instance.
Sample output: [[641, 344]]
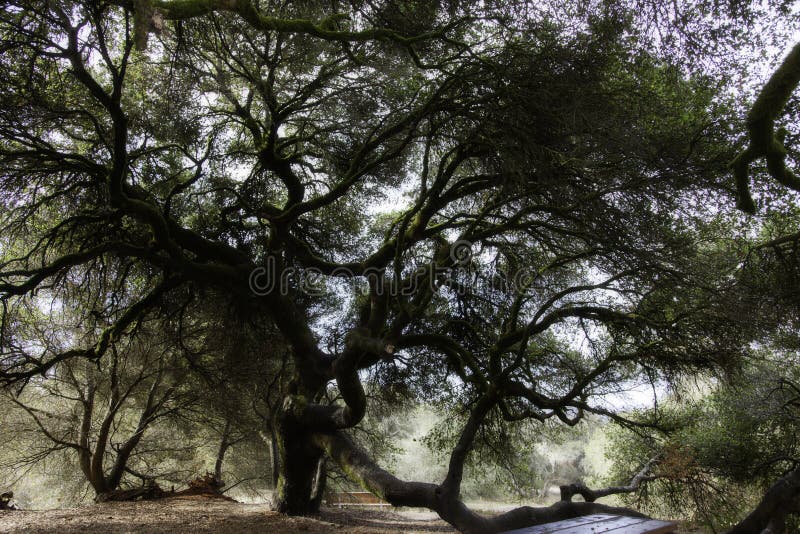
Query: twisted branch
[[764, 140]]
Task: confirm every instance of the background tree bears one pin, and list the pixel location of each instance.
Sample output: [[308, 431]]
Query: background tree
[[101, 413], [236, 362], [720, 450], [735, 440]]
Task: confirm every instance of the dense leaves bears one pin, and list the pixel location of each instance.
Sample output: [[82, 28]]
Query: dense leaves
[[509, 209]]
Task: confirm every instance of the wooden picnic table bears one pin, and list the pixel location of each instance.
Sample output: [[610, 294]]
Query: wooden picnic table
[[596, 523]]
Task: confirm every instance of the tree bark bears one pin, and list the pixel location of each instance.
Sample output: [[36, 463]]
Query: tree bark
[[223, 449], [268, 437], [298, 460], [273, 447], [780, 500]]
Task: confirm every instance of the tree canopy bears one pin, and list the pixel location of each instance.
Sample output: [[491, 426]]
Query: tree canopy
[[517, 209]]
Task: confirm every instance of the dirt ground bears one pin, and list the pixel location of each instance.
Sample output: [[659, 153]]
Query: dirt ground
[[200, 514], [197, 514]]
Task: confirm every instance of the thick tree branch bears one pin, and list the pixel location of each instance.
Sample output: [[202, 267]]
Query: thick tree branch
[[781, 499], [325, 29], [764, 141], [360, 468]]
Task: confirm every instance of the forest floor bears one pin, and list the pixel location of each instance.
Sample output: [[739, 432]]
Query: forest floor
[[198, 514]]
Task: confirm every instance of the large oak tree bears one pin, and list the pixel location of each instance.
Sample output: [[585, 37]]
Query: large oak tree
[[506, 207]]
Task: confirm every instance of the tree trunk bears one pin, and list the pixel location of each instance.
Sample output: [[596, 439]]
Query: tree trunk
[[223, 449], [268, 437], [298, 460]]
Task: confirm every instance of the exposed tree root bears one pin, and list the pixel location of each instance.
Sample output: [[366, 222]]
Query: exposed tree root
[[207, 485]]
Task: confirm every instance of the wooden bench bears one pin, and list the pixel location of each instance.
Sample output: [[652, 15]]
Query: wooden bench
[[596, 523]]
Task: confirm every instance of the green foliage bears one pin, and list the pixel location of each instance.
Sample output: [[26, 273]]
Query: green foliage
[[511, 463], [580, 150], [720, 450]]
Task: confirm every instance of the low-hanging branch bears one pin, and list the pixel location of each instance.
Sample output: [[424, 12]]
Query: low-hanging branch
[[362, 469], [590, 495]]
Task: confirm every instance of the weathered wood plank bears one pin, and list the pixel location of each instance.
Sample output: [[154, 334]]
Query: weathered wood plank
[[612, 523], [652, 526], [615, 524], [600, 523], [557, 526]]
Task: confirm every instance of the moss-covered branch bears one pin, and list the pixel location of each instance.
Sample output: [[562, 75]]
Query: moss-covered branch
[[764, 140]]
